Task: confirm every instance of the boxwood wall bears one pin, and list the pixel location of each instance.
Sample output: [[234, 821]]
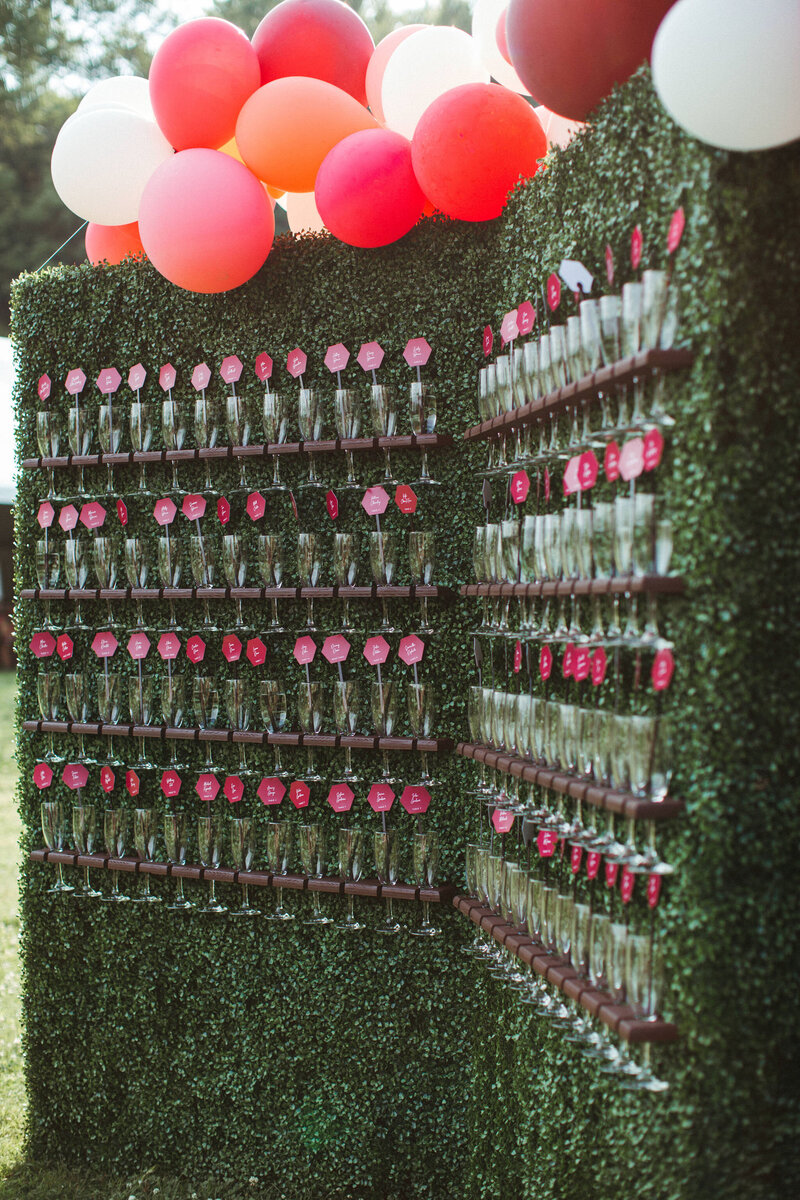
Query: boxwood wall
[[332, 1066]]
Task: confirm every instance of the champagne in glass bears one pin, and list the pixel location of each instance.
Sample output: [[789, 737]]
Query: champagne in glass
[[383, 407], [346, 710], [276, 424], [313, 857], [423, 420], [351, 864], [237, 410], [386, 846], [48, 694], [383, 549], [279, 852], [48, 570], [270, 565], [426, 866], [175, 842], [54, 833], [109, 434], [84, 833], [207, 421], [310, 709], [242, 858], [234, 564], [345, 570], [309, 565], [272, 702], [48, 439], [310, 418], [209, 848], [141, 430], [115, 835], [347, 412], [421, 559]]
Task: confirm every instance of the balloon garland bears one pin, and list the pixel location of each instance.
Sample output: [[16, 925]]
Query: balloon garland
[[363, 140]]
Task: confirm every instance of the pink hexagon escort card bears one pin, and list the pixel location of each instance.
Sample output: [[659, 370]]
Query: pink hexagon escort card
[[375, 500], [75, 776], [299, 794], [380, 797], [43, 387], [165, 510], [599, 664], [104, 644], [337, 357], [200, 376], [611, 462], [42, 775], [376, 650], [194, 506], [122, 512], [417, 351], [296, 362], [335, 648], [411, 649], [519, 487], [332, 505], [170, 783], [488, 340], [74, 383], [132, 783], [107, 779], [43, 644], [653, 448], [109, 380], [271, 790], [195, 648], [136, 377], [207, 787], [169, 646], [68, 517], [263, 366], [304, 649], [553, 292], [231, 647], [138, 645], [631, 459], [415, 799], [65, 647], [233, 789], [637, 242], [231, 368], [341, 797], [256, 506], [502, 819], [167, 376], [405, 498], [545, 662], [93, 515], [675, 232], [662, 670], [509, 329], [223, 511], [256, 652], [46, 514], [526, 317], [370, 356]]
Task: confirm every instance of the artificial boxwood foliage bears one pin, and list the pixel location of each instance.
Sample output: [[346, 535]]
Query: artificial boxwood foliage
[[331, 1066]]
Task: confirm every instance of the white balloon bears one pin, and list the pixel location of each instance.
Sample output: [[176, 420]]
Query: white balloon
[[728, 71], [485, 17], [559, 131], [422, 68], [123, 91], [302, 214], [102, 160]]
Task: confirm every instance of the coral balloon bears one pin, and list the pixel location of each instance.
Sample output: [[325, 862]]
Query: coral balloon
[[123, 91], [112, 243], [485, 17], [377, 64], [206, 222], [323, 39], [288, 126], [200, 77], [367, 192], [102, 160], [707, 54], [302, 213], [423, 67], [571, 53], [472, 145]]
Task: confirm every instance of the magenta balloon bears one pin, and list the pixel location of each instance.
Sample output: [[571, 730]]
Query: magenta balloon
[[200, 77], [366, 190], [205, 221], [325, 39]]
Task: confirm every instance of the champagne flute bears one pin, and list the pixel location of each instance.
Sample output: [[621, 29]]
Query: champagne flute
[[272, 702], [140, 697], [48, 695], [347, 414], [141, 430], [79, 435], [423, 420], [310, 708], [242, 858], [207, 421], [309, 565], [383, 560], [384, 705], [76, 570], [351, 864], [109, 697], [105, 568], [237, 413], [137, 568], [310, 419], [84, 833], [270, 564], [115, 833], [386, 848], [173, 709], [346, 709], [77, 704], [54, 832], [383, 407], [426, 866], [48, 571], [203, 572], [421, 714], [279, 853], [421, 559], [238, 705], [312, 854], [276, 424], [48, 439], [170, 569], [345, 570], [209, 848], [234, 564], [109, 434], [205, 703], [175, 842]]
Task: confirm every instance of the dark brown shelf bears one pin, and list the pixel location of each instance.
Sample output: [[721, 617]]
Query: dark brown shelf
[[620, 1018], [665, 585], [368, 889], [410, 441], [616, 375], [371, 592], [623, 803], [247, 737]]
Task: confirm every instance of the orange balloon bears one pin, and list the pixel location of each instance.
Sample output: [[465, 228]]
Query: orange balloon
[[276, 193], [286, 128], [377, 64], [112, 243]]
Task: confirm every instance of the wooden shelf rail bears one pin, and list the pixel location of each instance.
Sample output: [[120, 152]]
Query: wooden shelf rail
[[665, 585], [371, 592]]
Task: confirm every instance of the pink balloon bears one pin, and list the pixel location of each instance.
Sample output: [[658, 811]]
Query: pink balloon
[[325, 39], [377, 65], [200, 77], [366, 190], [112, 243], [206, 221]]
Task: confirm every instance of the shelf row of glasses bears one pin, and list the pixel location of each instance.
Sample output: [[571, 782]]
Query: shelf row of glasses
[[620, 1018], [246, 737], [368, 889], [411, 441], [666, 585], [285, 592], [586, 792], [617, 375]]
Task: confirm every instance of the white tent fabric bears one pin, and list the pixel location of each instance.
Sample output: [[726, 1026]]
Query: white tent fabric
[[8, 488]]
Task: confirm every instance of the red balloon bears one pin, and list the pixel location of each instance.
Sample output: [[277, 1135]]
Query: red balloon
[[112, 243], [325, 39], [206, 222], [571, 53], [366, 190], [471, 146], [200, 77], [500, 36]]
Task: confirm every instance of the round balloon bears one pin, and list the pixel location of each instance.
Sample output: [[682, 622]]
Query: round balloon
[[423, 67], [288, 126], [485, 17], [571, 53], [102, 160], [112, 243], [123, 91], [558, 130], [708, 54], [200, 77], [206, 222], [367, 192], [324, 39], [472, 145], [377, 65], [302, 213]]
